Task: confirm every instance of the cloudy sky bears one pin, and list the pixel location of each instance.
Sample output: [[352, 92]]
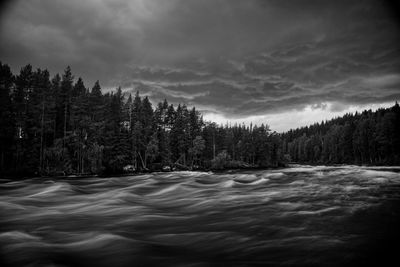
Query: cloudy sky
[[284, 63]]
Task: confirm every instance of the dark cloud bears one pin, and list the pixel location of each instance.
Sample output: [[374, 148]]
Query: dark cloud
[[236, 58]]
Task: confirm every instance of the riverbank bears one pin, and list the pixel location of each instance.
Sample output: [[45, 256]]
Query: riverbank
[[122, 174], [393, 168]]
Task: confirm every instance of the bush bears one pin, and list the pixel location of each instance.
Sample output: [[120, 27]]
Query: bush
[[221, 161]]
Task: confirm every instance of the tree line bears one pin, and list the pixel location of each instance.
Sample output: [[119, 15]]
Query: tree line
[[56, 125], [362, 138]]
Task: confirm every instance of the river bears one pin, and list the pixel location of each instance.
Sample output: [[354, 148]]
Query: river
[[298, 216]]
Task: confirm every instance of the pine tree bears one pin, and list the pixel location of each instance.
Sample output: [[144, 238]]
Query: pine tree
[[24, 87], [80, 122], [7, 119]]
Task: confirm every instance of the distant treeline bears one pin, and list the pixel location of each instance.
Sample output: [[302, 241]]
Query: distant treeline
[[360, 138], [56, 125]]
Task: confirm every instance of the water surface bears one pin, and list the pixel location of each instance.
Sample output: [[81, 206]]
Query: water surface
[[301, 216]]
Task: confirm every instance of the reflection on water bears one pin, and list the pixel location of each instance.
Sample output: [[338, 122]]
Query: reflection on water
[[300, 216]]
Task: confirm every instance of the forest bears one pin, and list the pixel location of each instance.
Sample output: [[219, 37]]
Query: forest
[[370, 138], [58, 126]]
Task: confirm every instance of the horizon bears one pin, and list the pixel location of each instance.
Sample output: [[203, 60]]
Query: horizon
[[287, 65]]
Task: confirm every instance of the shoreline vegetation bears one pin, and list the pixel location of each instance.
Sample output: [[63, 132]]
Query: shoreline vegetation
[[56, 126], [394, 168]]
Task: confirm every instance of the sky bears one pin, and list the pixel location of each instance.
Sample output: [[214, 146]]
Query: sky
[[283, 63]]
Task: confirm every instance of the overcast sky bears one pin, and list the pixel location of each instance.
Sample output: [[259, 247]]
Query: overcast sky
[[284, 63]]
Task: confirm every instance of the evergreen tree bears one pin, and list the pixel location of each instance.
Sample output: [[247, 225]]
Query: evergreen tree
[[22, 94], [7, 119]]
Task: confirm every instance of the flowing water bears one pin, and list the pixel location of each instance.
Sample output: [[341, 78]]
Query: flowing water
[[299, 216]]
